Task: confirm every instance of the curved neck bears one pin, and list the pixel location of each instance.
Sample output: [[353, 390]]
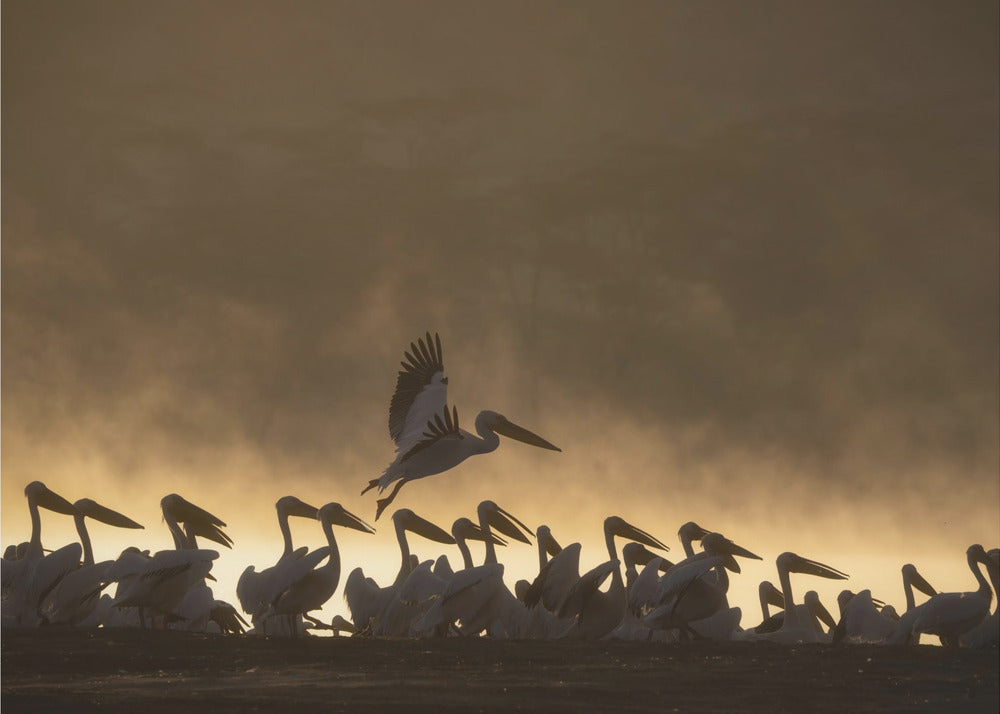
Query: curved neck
[[35, 544], [286, 533], [180, 540], [463, 548], [984, 586], [791, 616], [404, 551], [542, 555], [489, 441], [765, 609], [333, 563], [81, 530], [616, 574], [686, 543], [484, 526], [908, 590]]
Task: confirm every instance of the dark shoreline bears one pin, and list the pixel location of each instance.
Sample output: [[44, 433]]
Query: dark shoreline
[[145, 672]]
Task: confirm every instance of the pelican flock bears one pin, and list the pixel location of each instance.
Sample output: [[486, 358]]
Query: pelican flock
[[633, 593]]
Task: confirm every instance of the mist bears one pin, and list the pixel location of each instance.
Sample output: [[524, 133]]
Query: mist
[[739, 262]]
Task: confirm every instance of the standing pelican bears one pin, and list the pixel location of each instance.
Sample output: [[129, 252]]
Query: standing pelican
[[256, 590], [31, 577], [427, 435], [365, 599], [797, 627], [75, 598], [950, 615], [164, 579], [312, 590]]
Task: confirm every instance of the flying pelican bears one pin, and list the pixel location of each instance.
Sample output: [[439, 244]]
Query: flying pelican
[[312, 590], [30, 578], [255, 590], [428, 437], [950, 615], [75, 598]]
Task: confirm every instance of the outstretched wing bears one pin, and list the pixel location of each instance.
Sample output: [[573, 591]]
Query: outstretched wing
[[421, 392], [441, 426]]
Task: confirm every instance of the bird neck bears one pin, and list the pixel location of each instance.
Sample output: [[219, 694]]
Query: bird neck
[[404, 550], [333, 563], [81, 529], [488, 439], [180, 540], [791, 617], [984, 586], [463, 548], [35, 544], [616, 573], [484, 526], [286, 533]]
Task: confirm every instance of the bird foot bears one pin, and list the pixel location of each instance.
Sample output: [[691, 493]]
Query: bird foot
[[371, 484]]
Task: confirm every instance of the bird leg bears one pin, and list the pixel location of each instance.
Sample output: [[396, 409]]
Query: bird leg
[[384, 502], [371, 484]]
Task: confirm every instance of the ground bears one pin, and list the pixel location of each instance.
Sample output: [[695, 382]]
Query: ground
[[50, 670]]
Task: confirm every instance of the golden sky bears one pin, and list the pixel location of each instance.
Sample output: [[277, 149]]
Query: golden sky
[[739, 261]]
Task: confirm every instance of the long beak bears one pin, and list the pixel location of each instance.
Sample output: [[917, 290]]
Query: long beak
[[821, 612], [428, 530], [94, 510], [511, 430], [349, 520], [638, 535], [184, 511], [917, 580], [474, 532], [303, 510], [504, 521], [771, 594], [52, 501], [812, 567], [210, 531]]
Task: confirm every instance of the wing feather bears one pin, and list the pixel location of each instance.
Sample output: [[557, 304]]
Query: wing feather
[[421, 391]]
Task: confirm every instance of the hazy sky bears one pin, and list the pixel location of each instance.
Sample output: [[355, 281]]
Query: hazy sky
[[739, 260]]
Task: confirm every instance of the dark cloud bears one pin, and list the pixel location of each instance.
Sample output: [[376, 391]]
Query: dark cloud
[[765, 238]]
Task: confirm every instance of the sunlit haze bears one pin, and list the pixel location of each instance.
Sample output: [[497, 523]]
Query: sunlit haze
[[738, 261]]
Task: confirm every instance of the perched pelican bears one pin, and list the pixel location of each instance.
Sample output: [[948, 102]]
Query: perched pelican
[[797, 626], [365, 599], [427, 435], [28, 579], [598, 613], [950, 615], [861, 619], [75, 598], [164, 580], [256, 590], [987, 632], [312, 590], [476, 596]]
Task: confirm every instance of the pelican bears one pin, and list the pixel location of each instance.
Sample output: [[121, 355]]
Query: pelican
[[75, 598], [256, 590], [797, 626], [477, 596], [164, 580], [31, 577], [427, 434], [312, 590], [365, 599], [950, 615], [598, 613], [861, 620], [688, 594], [987, 632]]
